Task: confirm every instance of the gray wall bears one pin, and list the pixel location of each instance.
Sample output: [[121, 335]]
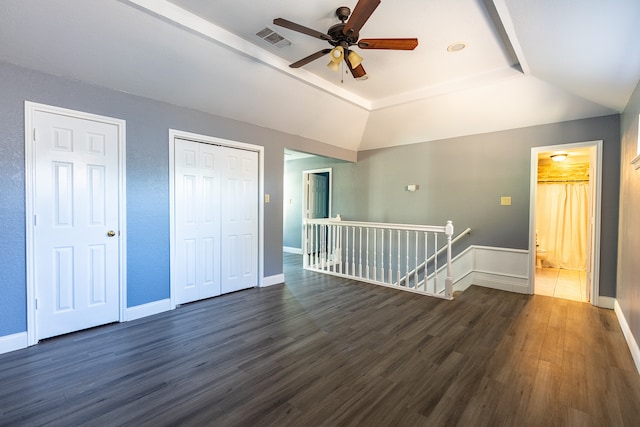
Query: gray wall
[[293, 192], [628, 283], [147, 167], [462, 179]]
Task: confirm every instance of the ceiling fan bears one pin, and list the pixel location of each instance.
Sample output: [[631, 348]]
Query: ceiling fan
[[344, 35]]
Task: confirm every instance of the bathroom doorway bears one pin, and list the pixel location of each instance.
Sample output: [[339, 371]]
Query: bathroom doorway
[[564, 221]]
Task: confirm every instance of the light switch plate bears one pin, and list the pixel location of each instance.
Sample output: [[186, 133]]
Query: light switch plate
[[505, 201], [267, 198]]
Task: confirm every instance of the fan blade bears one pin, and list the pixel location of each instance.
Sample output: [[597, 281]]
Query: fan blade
[[301, 29], [357, 72], [359, 16], [310, 58], [395, 44]]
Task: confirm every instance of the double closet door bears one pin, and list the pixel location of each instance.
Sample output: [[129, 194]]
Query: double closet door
[[216, 220]]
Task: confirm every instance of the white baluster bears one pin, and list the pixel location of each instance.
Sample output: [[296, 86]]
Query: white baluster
[[399, 246], [323, 246], [375, 254], [360, 255], [415, 265], [390, 256], [312, 243], [382, 255], [426, 256], [435, 263], [353, 252], [367, 261], [339, 254]]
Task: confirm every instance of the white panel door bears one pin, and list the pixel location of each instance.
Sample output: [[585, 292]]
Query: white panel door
[[239, 219], [318, 195], [197, 219], [75, 224]]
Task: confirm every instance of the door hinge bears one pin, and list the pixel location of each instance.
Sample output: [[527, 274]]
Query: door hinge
[[35, 133], [35, 220], [36, 303]]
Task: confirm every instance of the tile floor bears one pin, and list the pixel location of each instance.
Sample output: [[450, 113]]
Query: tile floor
[[559, 283]]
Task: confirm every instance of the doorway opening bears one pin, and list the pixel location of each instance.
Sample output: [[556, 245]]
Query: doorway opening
[[564, 227], [317, 198]]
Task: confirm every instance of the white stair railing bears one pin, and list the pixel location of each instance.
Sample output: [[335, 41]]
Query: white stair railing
[[433, 259], [393, 255]]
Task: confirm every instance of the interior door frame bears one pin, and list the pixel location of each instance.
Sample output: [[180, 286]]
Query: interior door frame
[[305, 197], [205, 139], [305, 193], [596, 208], [30, 110]]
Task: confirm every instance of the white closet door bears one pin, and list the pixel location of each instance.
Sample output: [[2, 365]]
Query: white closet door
[[197, 219], [76, 224], [239, 219]]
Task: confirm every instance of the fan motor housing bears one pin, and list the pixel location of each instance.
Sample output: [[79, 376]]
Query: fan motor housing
[[339, 38]]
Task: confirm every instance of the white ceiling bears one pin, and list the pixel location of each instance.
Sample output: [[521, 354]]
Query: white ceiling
[[526, 62]]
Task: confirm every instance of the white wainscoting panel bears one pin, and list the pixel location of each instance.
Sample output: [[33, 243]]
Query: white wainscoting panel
[[498, 268]]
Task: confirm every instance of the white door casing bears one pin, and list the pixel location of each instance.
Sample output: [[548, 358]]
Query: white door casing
[[595, 202], [75, 198], [316, 190]]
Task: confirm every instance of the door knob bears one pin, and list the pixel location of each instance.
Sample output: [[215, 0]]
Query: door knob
[[111, 233]]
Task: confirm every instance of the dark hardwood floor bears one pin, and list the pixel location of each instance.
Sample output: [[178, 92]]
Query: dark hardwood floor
[[326, 351]]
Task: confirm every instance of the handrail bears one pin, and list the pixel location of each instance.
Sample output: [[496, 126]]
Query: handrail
[[379, 225], [432, 257]]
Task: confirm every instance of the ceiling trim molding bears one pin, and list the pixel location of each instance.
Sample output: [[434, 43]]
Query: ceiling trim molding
[[451, 86], [226, 39], [507, 23]]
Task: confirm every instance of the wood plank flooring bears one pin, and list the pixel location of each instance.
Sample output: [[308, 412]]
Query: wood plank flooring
[[326, 351]]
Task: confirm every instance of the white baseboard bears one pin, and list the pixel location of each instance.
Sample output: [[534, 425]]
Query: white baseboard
[[144, 310], [290, 250], [13, 342], [501, 282], [626, 331], [606, 302], [272, 280]]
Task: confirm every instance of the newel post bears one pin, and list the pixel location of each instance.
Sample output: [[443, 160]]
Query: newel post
[[448, 284]]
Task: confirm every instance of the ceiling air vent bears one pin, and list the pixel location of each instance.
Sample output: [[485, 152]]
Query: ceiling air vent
[[273, 38]]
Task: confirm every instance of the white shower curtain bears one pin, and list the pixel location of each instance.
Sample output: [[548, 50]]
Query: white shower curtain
[[562, 223]]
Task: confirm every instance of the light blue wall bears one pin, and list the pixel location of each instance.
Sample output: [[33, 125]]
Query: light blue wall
[[147, 174]]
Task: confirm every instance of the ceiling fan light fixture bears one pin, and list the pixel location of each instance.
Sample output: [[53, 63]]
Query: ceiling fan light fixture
[[333, 66], [354, 59], [337, 54]]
